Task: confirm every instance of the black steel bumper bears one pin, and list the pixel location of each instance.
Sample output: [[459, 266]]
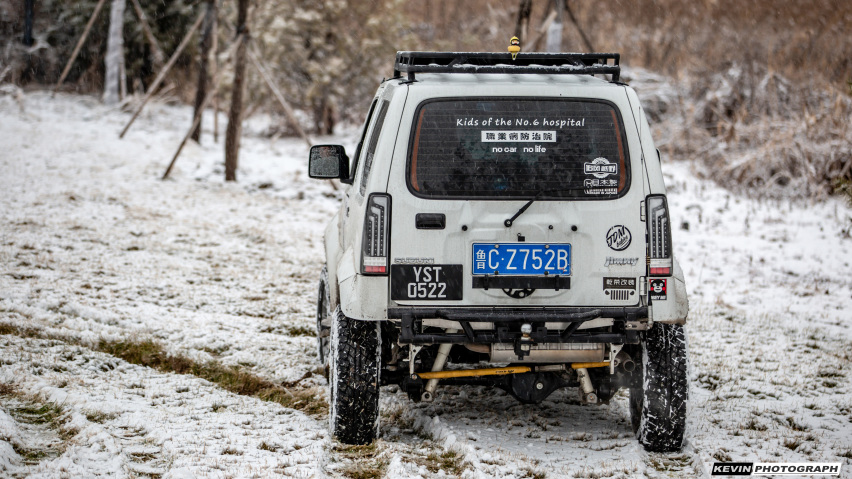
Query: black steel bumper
[[507, 322]]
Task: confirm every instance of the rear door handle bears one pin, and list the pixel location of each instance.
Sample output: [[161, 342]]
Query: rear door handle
[[430, 221]]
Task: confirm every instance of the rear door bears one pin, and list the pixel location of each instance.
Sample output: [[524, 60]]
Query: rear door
[[517, 201]]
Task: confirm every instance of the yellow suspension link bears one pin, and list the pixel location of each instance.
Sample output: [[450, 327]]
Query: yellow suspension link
[[468, 373]]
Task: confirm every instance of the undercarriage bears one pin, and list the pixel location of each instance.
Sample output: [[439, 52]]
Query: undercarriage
[[537, 350]]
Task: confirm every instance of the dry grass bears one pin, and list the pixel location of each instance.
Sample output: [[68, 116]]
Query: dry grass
[[232, 378], [235, 379], [363, 462], [763, 88]]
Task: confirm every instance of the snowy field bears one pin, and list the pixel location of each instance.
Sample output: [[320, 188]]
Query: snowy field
[[95, 249]]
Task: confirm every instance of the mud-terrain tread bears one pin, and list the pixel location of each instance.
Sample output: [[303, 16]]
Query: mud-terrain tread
[[658, 410], [323, 308], [354, 379]]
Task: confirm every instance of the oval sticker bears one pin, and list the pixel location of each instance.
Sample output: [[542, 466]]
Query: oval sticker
[[618, 237]]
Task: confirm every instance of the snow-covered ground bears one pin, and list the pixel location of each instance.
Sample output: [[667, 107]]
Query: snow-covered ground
[[93, 245]]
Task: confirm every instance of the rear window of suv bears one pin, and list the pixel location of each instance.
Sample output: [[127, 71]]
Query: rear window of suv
[[510, 147]]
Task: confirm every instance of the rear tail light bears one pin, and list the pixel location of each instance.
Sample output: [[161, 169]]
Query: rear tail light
[[659, 236], [376, 239]]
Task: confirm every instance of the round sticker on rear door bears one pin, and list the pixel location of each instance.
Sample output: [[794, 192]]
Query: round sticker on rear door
[[618, 237]]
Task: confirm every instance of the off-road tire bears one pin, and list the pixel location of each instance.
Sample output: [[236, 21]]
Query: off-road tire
[[658, 409], [323, 314], [354, 379]]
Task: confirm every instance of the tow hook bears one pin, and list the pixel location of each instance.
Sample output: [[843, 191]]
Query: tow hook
[[523, 344]]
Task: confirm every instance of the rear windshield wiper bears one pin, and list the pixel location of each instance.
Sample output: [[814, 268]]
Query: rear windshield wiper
[[508, 223]]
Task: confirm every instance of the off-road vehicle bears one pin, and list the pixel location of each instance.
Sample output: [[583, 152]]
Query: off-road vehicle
[[505, 223]]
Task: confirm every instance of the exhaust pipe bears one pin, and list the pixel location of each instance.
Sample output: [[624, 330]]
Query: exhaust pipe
[[624, 361]]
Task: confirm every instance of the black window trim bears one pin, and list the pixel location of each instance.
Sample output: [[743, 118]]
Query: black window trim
[[357, 156], [373, 144], [411, 136]]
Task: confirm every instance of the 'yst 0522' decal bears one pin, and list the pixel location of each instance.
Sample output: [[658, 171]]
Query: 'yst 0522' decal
[[434, 282]]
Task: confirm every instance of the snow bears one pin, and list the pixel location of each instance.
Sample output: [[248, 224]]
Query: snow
[[94, 245]]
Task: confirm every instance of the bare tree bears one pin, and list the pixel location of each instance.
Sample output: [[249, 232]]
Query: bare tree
[[232, 134], [115, 52], [523, 26], [28, 23], [207, 29], [586, 41]]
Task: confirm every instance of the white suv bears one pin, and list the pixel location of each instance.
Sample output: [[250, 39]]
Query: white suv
[[509, 214]]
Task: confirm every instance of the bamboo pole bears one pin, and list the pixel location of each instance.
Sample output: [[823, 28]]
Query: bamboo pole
[[157, 53], [196, 120], [77, 48], [163, 72], [289, 111], [540, 33], [586, 41]]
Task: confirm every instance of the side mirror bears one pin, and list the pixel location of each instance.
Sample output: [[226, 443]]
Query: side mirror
[[328, 162]]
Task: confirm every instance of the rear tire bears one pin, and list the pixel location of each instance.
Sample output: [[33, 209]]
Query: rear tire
[[658, 409], [354, 379]]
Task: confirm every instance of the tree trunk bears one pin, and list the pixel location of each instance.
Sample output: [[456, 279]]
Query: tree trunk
[[206, 44], [554, 32], [523, 26], [232, 134], [586, 41], [28, 23], [115, 50]]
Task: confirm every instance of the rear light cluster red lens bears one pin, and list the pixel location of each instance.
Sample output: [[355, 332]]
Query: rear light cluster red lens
[[660, 261], [376, 238]]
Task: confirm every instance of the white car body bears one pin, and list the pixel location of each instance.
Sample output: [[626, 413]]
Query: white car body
[[367, 297]]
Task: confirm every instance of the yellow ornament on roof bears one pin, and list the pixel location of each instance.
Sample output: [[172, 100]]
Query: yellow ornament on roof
[[514, 47]]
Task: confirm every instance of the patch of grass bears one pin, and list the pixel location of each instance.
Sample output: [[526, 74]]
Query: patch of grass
[[6, 328], [365, 461], [722, 456], [530, 473], [300, 331], [30, 456], [447, 461], [367, 451], [8, 389], [755, 425], [670, 463], [235, 379], [99, 416], [265, 446], [362, 471], [792, 443], [47, 413], [232, 451], [795, 425], [232, 378], [830, 373]]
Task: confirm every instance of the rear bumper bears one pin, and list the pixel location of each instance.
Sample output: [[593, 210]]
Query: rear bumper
[[507, 322]]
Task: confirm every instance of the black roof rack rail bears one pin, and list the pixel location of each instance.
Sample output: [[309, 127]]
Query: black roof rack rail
[[479, 62]]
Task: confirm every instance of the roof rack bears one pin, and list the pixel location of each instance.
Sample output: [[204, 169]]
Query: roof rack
[[478, 62]]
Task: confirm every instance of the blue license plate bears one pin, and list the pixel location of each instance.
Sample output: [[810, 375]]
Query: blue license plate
[[516, 259]]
